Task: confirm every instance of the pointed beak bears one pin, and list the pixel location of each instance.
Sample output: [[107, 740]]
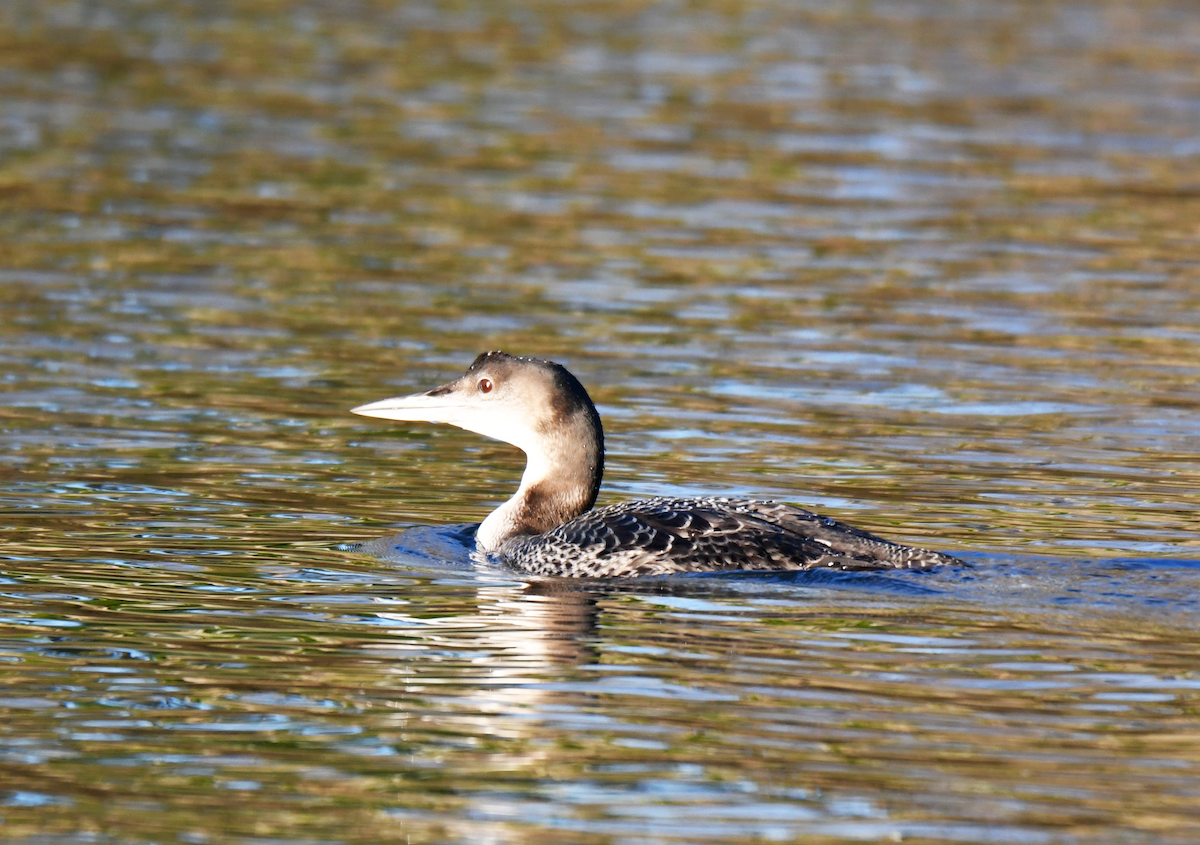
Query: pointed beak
[[443, 407]]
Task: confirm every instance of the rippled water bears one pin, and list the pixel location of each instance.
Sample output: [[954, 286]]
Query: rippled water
[[926, 267]]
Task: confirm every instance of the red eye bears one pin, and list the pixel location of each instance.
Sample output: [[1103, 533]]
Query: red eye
[[485, 385]]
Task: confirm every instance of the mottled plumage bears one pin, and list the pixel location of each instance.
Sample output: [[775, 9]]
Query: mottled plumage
[[548, 527], [660, 536]]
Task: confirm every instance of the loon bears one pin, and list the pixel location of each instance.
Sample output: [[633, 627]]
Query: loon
[[549, 528]]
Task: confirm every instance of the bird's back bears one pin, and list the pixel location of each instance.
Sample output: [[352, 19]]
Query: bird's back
[[666, 535]]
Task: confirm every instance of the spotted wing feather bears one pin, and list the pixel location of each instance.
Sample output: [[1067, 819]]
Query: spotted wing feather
[[664, 535]]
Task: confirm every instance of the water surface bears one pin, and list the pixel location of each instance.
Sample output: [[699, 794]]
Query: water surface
[[928, 268]]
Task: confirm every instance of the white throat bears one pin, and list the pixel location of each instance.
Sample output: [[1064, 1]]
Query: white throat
[[505, 520]]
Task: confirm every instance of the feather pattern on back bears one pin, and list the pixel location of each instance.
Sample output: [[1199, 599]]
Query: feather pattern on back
[[710, 534]]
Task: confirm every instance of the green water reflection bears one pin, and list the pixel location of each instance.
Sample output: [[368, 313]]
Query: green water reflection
[[929, 268]]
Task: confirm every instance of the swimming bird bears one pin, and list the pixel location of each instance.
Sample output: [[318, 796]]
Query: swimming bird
[[549, 527]]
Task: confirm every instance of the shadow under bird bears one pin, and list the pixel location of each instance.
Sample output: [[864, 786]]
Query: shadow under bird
[[549, 527]]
